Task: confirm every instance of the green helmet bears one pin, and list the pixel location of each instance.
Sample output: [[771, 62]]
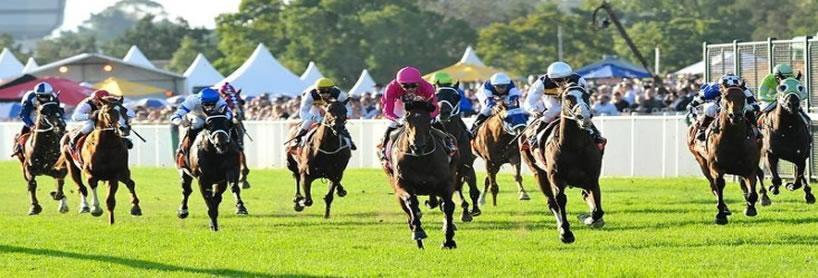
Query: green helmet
[[441, 78], [783, 70]]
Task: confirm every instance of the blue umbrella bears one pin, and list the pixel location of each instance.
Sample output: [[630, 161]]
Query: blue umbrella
[[148, 103], [612, 67]]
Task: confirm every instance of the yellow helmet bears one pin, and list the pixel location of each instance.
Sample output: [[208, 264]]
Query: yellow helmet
[[324, 83]]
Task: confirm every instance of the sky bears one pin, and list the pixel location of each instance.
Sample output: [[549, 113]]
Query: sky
[[196, 12]]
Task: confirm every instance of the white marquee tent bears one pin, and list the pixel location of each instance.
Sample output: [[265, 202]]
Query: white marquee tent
[[135, 56], [311, 74], [364, 84], [31, 65], [201, 74], [9, 65], [262, 73]]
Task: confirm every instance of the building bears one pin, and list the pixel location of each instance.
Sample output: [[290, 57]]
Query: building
[[30, 20]]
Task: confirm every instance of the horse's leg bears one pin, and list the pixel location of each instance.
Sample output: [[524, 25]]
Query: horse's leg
[[216, 200], [59, 195], [113, 185], [765, 199], [298, 197], [131, 185], [182, 212], [799, 175], [235, 188], [76, 176], [750, 196], [207, 195], [32, 193], [464, 204], [307, 184], [486, 185], [328, 198], [518, 178], [718, 190], [594, 199], [800, 180], [772, 163], [245, 171], [563, 226], [448, 220], [96, 209], [418, 234], [492, 177], [474, 192]]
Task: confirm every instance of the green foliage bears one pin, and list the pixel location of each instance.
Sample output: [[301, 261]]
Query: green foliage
[[7, 41], [189, 48], [157, 40], [114, 20], [66, 45]]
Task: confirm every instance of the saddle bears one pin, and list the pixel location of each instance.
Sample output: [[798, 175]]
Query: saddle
[[294, 148], [20, 141], [438, 139]]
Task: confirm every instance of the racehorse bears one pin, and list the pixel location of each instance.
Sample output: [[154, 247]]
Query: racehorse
[[213, 159], [236, 105], [101, 156], [566, 155], [730, 148], [41, 151], [417, 164], [325, 154], [495, 142], [786, 136], [448, 100]]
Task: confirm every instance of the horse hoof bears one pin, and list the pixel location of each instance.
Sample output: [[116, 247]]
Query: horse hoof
[[96, 212], [420, 234], [765, 201], [182, 213], [308, 202], [774, 190], [430, 204], [35, 209], [245, 185], [241, 210], [567, 237], [136, 211], [810, 199], [475, 211], [420, 244], [590, 222], [524, 196], [721, 219], [341, 192], [482, 199], [84, 209], [214, 226], [727, 212], [298, 207], [56, 196], [750, 211], [466, 216], [448, 245], [63, 209], [793, 186]]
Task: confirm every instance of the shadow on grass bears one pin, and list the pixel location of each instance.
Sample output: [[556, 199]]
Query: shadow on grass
[[142, 264]]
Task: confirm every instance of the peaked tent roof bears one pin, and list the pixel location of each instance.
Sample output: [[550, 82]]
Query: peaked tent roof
[[202, 73], [470, 57], [364, 84], [311, 74], [71, 93], [612, 67], [126, 88], [697, 68], [262, 73], [31, 65], [135, 56], [9, 65]]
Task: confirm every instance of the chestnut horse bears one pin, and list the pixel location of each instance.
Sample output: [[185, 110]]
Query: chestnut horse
[[417, 164], [448, 99], [787, 137], [730, 148], [325, 154], [41, 151], [567, 156], [213, 159], [102, 156], [495, 142]]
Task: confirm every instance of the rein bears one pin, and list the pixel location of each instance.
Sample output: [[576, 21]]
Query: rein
[[50, 125]]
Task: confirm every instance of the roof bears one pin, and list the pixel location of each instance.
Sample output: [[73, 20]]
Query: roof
[[99, 58], [262, 73], [31, 65], [202, 73], [135, 56], [364, 84], [9, 65], [311, 74], [470, 57], [121, 87], [71, 93], [612, 67]]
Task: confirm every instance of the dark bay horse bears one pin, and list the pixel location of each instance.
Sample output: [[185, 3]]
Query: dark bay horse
[[730, 148], [213, 160], [236, 104], [787, 137], [417, 164], [496, 143], [41, 151], [448, 99], [566, 157], [325, 154], [102, 156]]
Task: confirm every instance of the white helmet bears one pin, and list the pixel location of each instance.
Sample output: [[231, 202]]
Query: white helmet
[[500, 79], [559, 70], [730, 80], [43, 88]]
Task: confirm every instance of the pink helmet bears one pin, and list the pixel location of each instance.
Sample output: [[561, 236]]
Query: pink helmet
[[409, 75]]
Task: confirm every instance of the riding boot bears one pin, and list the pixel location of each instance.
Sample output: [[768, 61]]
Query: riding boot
[[598, 139], [74, 137], [477, 122], [702, 128], [348, 136], [447, 139], [128, 143], [385, 141], [466, 129]]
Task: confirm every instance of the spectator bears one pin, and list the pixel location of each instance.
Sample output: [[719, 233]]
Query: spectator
[[604, 107]]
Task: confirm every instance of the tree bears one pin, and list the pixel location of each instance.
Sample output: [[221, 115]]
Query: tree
[[157, 40], [113, 21], [189, 49], [66, 45], [257, 21]]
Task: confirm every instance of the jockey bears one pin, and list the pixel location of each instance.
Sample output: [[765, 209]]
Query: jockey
[[443, 81], [500, 86], [42, 93], [409, 84], [198, 107], [710, 95], [312, 102], [85, 112], [544, 98], [767, 90]]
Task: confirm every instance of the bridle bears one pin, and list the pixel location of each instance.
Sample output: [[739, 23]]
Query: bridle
[[44, 119], [571, 114], [212, 134]]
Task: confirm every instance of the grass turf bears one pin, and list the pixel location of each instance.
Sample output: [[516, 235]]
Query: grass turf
[[655, 227]]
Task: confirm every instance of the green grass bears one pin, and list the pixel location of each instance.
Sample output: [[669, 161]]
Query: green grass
[[655, 227]]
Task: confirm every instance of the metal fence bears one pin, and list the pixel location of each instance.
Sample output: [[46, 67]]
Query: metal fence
[[754, 60]]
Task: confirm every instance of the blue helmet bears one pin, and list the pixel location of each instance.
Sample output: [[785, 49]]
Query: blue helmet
[[711, 90], [209, 96]]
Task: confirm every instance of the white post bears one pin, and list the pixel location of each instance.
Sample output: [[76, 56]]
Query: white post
[[559, 42], [656, 62]]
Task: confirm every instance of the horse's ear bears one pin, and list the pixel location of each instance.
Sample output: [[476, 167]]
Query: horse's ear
[[798, 76], [238, 92], [456, 84], [346, 101]]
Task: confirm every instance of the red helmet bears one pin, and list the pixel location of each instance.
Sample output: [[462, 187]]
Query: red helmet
[[99, 94], [227, 89]]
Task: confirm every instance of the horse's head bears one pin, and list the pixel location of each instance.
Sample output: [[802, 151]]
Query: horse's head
[[110, 112], [50, 116], [418, 123], [233, 100], [790, 91], [733, 100], [574, 105], [217, 130], [515, 120], [336, 116], [447, 99]]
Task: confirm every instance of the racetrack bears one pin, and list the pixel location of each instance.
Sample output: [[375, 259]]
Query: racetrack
[[655, 227]]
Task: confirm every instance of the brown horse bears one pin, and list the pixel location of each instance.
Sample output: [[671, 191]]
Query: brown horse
[[236, 105], [448, 99], [730, 148], [213, 159], [566, 157], [417, 164], [41, 151], [102, 156], [325, 154], [495, 142], [786, 137]]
